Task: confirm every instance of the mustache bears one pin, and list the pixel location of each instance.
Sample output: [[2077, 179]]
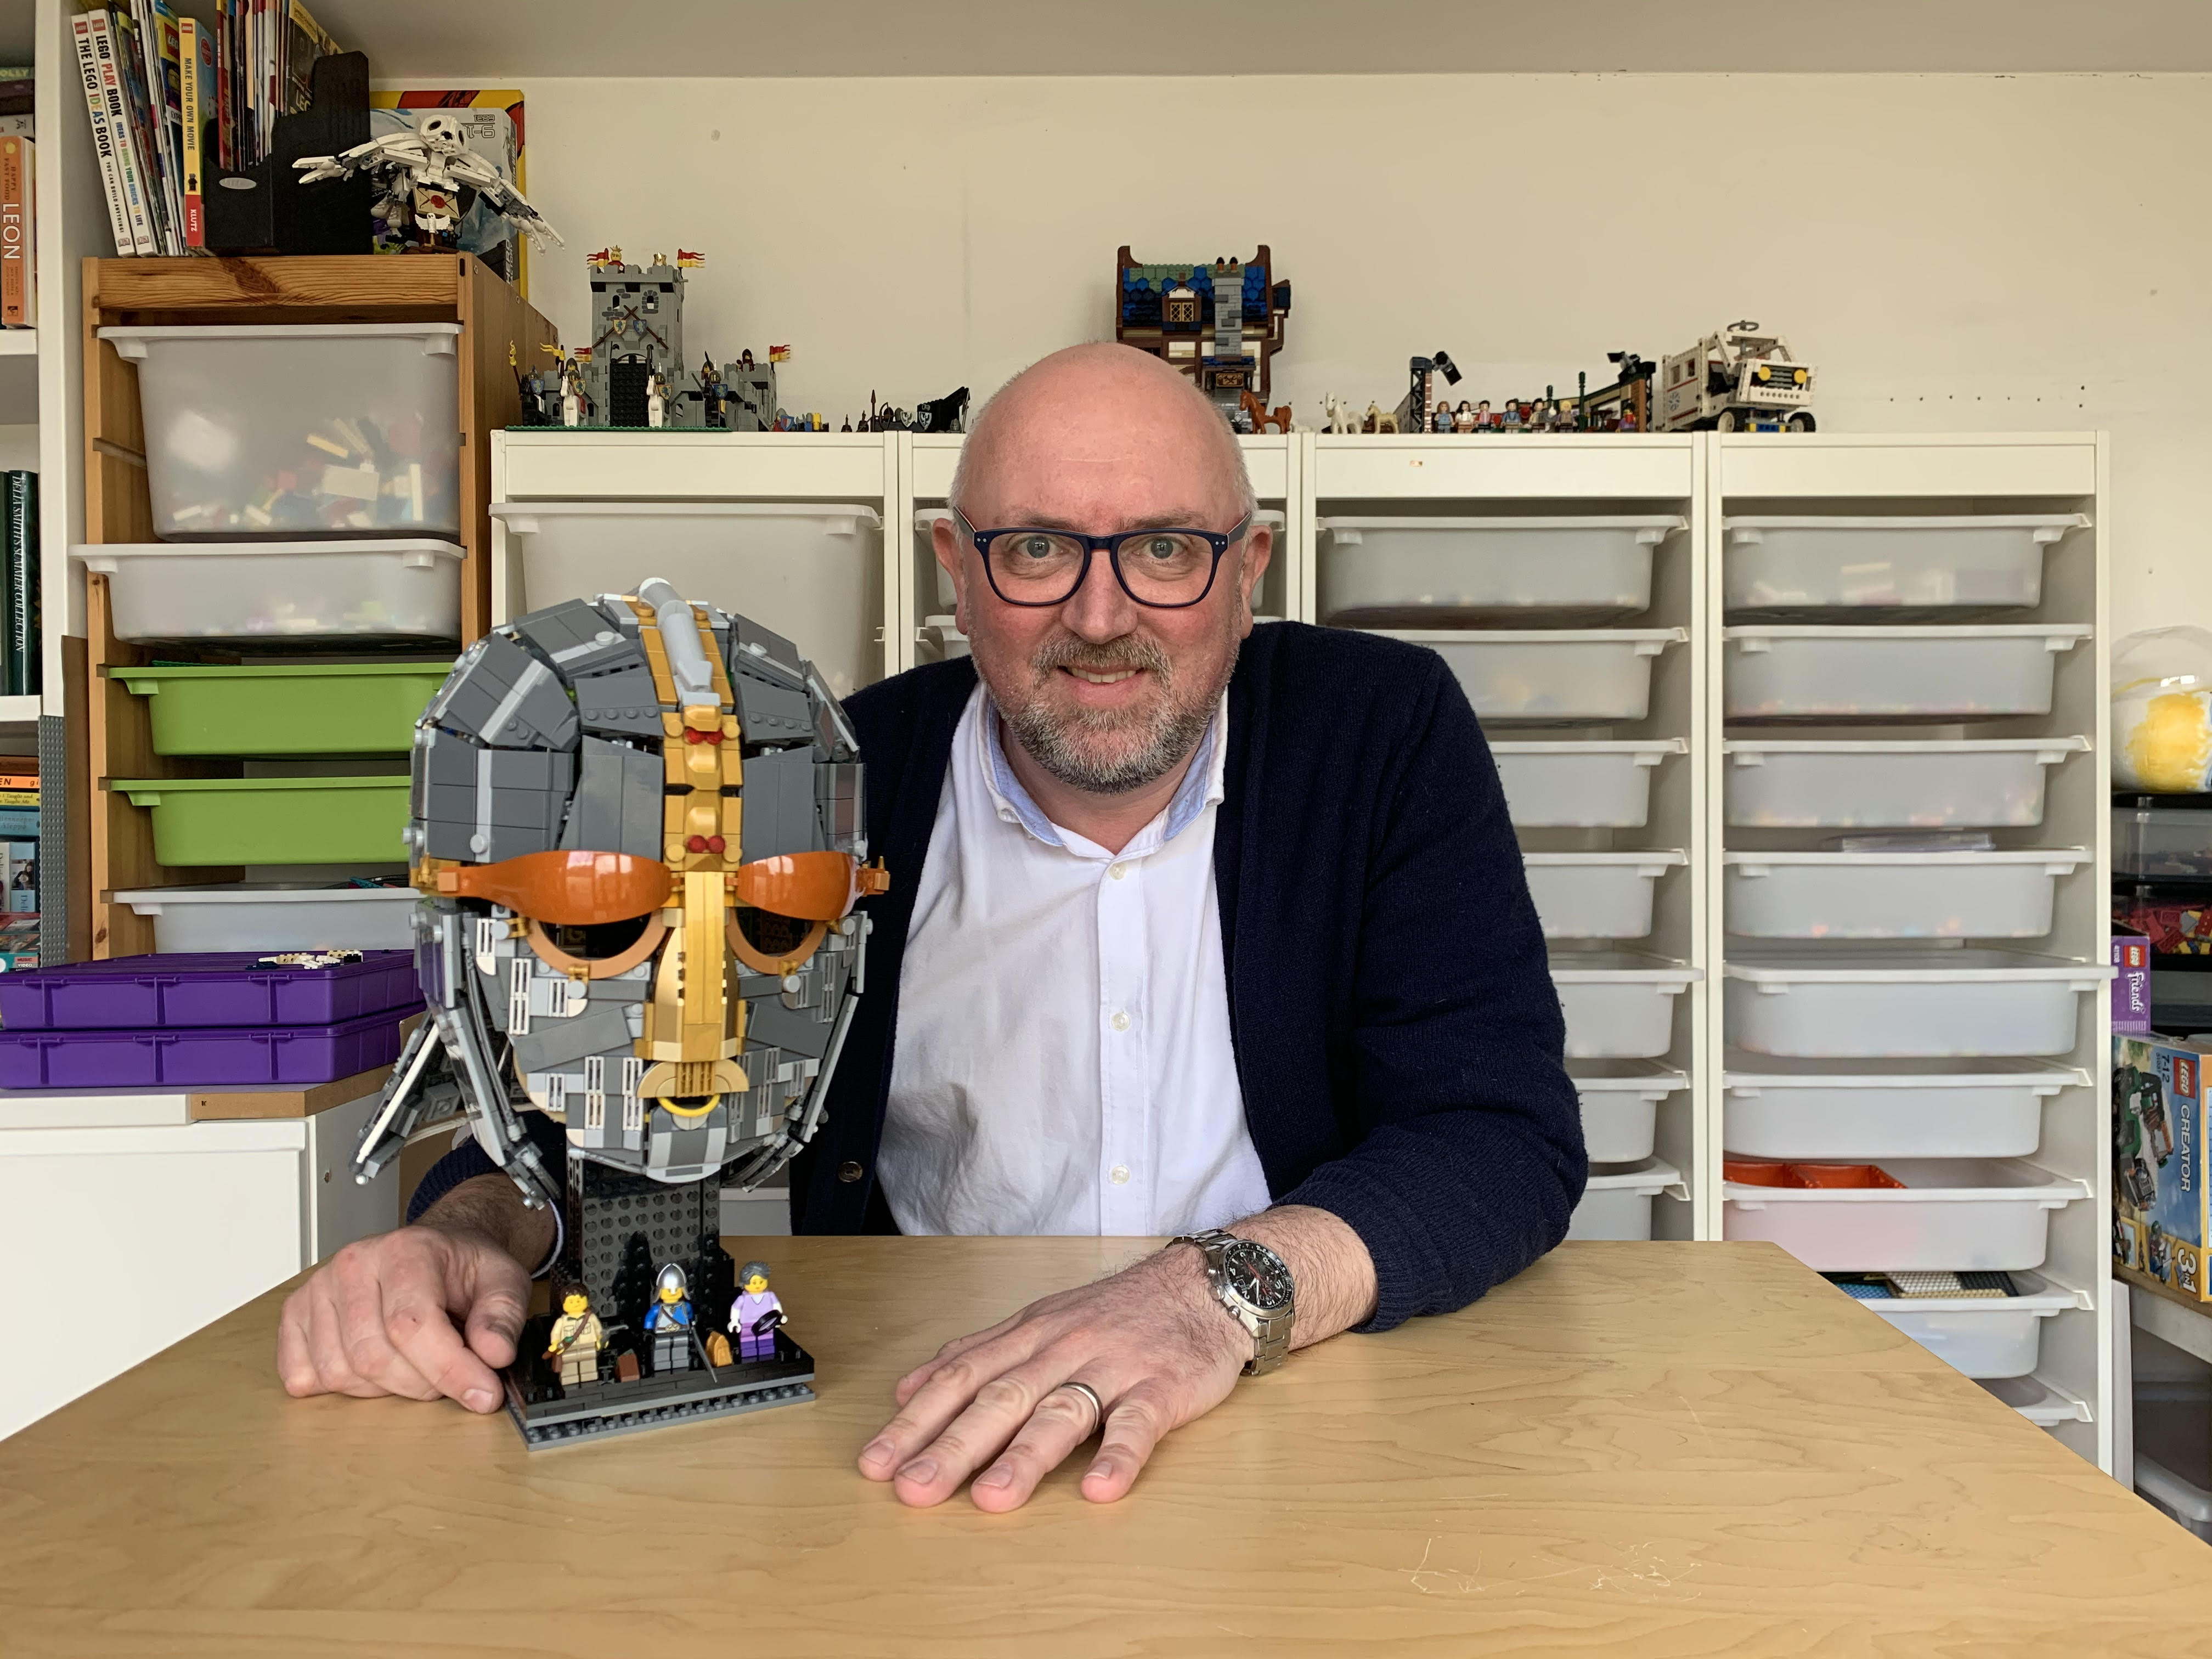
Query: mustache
[[1130, 650]]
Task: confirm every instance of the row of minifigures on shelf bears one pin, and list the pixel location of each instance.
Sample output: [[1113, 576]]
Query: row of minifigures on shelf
[[671, 1337]]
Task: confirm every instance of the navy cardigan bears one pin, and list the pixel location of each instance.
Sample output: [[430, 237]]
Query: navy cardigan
[[1398, 1041]]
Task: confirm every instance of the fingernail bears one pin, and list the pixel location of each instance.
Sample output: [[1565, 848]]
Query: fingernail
[[997, 1475], [1097, 1471], [478, 1400], [876, 1451], [923, 1469]]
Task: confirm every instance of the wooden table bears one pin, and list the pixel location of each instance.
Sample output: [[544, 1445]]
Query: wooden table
[[1655, 1449]]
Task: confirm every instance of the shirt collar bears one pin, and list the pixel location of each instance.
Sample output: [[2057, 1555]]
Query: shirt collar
[[1201, 785]]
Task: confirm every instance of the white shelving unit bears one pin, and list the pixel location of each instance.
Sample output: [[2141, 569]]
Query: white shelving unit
[[1942, 475]]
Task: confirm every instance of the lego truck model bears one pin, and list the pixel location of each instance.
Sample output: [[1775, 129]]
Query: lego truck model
[[1735, 380]]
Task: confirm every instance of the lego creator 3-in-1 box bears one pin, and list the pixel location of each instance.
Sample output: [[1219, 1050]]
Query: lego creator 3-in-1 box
[[2158, 1162]]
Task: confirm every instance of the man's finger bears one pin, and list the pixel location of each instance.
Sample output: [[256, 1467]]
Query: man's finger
[[296, 1366], [979, 1433], [1063, 1420], [498, 1298], [326, 1347], [1133, 1427], [904, 1389], [932, 1407], [367, 1344], [424, 1337]]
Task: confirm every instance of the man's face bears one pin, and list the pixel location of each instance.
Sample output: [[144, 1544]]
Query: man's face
[[1104, 694]]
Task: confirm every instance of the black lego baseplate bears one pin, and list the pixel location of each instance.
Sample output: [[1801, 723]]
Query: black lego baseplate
[[595, 1410]]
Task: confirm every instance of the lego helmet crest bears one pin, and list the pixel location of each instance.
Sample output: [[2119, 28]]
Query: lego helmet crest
[[673, 1279]]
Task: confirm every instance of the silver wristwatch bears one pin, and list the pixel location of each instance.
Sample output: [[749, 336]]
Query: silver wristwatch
[[1253, 1283]]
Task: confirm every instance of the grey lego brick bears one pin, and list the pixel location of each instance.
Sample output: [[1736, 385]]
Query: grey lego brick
[[622, 702], [800, 1030], [578, 639], [837, 798], [779, 813], [550, 1045], [832, 731], [762, 653], [539, 1437], [616, 806], [771, 713], [503, 696]]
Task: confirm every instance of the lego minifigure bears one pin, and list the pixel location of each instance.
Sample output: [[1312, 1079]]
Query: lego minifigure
[[756, 1313], [656, 399], [1462, 418], [426, 174], [576, 1338], [573, 400], [1486, 418], [668, 1321]]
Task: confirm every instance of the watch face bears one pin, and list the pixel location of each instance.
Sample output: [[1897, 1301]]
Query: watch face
[[1257, 1274]]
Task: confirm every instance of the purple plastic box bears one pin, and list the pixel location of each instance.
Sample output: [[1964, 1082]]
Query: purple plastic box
[[198, 1058], [214, 988]]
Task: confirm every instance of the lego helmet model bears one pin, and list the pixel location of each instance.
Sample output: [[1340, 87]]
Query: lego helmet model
[[672, 1284], [637, 831]]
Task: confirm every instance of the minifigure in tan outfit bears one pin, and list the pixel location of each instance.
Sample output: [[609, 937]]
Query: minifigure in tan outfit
[[575, 1340]]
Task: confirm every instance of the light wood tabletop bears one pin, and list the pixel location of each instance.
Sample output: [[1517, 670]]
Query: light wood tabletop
[[1646, 1449]]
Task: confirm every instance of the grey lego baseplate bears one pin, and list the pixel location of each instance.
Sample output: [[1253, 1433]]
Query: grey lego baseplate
[[582, 1420]]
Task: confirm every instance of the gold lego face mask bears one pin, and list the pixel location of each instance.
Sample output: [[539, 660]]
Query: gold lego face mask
[[637, 828]]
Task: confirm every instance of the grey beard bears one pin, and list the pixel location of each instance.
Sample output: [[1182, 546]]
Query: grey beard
[[1060, 746]]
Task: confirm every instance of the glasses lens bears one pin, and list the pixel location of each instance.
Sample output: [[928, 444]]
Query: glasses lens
[[1166, 566], [1029, 567]]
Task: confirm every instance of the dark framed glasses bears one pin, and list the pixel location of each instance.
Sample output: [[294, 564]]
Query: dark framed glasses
[[1168, 569]]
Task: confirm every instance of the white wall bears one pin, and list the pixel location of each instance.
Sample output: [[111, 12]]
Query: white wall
[[1952, 252]]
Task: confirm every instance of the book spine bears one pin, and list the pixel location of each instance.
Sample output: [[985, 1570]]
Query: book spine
[[15, 232], [103, 140], [127, 163], [139, 98], [158, 45], [7, 585], [192, 55], [23, 642]]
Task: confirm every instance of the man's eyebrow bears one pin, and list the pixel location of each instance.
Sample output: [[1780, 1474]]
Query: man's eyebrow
[[1176, 518]]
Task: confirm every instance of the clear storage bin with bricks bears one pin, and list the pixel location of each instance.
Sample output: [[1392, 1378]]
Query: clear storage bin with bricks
[[1910, 685], [1559, 577]]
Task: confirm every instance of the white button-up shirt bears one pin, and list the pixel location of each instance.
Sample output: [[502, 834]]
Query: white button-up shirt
[[1063, 1062]]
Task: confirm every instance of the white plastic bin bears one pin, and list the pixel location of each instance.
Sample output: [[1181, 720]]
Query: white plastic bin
[[1433, 571], [2042, 1402], [1983, 1336], [392, 592], [1985, 562], [1550, 676], [1965, 1215], [941, 639], [1570, 784], [1892, 673], [1620, 1106], [1847, 1003], [2007, 895], [275, 916], [2173, 1431], [1890, 784], [1777, 1107], [924, 532], [812, 571], [1619, 1004], [1616, 1204], [293, 430], [1596, 894]]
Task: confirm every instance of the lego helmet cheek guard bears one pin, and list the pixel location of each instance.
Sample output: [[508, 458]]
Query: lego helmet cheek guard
[[637, 828]]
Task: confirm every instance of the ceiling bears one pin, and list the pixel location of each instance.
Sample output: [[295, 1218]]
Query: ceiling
[[471, 41]]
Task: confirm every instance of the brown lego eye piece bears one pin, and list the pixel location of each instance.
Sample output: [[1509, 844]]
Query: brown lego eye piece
[[810, 886], [566, 888]]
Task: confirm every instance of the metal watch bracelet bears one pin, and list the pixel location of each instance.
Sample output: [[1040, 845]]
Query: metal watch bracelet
[[1270, 1332]]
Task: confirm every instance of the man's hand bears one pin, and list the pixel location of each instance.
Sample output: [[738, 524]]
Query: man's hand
[[378, 1317], [1152, 1342]]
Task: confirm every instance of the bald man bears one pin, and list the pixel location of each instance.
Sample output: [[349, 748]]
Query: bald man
[[1200, 930]]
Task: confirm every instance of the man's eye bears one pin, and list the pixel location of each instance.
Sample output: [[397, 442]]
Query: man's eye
[[1035, 547], [1160, 547]]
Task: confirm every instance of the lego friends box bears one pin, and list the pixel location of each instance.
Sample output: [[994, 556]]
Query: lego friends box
[[2158, 1162]]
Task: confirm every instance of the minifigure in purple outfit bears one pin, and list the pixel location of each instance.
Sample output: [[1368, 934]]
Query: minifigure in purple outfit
[[756, 1313]]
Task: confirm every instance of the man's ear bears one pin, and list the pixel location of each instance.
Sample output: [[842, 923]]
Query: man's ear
[[944, 542], [1259, 554]]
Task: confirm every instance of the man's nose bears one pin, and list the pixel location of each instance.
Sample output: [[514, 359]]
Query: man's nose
[[1100, 610]]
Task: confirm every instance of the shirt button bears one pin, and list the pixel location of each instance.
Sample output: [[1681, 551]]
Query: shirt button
[[1120, 1174], [1120, 1022], [849, 1172], [1117, 871]]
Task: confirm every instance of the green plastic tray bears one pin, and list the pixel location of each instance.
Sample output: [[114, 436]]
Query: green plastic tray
[[273, 820], [305, 709]]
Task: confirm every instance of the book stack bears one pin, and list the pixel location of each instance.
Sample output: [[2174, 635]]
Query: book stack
[[18, 292], [21, 645], [19, 863], [161, 88]]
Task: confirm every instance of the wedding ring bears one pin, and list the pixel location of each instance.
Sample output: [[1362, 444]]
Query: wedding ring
[[1091, 1394]]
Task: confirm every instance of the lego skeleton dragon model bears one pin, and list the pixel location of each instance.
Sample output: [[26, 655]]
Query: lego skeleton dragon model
[[637, 831]]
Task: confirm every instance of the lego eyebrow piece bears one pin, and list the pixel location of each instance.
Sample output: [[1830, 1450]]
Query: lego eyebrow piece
[[688, 665]]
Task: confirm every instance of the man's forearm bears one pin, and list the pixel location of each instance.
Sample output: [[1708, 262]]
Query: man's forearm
[[491, 1206], [1329, 1266]]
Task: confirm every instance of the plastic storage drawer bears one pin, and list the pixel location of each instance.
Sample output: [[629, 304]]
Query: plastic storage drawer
[[1619, 1004], [1773, 1107], [1596, 894], [812, 572], [217, 988], [296, 430], [1550, 676], [1440, 572], [1865, 1005], [213, 1057], [198, 821], [306, 709], [2156, 835], [1941, 565], [385, 592], [2042, 1403], [275, 916], [1892, 673], [1949, 1214], [1982, 1336], [1885, 784], [1616, 1203], [1568, 785], [1893, 895], [1620, 1106]]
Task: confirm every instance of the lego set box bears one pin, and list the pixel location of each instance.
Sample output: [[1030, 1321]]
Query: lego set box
[[2159, 1124]]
